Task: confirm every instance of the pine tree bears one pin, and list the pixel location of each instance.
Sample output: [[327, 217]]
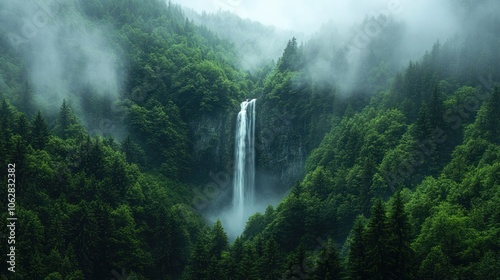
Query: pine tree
[[219, 242], [164, 241], [237, 253], [23, 127], [357, 253], [95, 164], [199, 259], [85, 236], [378, 258], [436, 265], [65, 120], [218, 246], [423, 130], [90, 158], [297, 267], [64, 116], [6, 117], [488, 118], [290, 59], [26, 103], [436, 120], [397, 91], [368, 169], [249, 266], [127, 149], [119, 182], [320, 183], [133, 152], [329, 265], [399, 241], [436, 109], [270, 261], [425, 142], [102, 214], [40, 132]]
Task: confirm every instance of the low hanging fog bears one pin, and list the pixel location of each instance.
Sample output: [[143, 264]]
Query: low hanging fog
[[260, 29], [67, 56], [425, 21]]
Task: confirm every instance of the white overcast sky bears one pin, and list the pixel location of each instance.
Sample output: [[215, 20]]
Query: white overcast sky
[[308, 15], [297, 15]]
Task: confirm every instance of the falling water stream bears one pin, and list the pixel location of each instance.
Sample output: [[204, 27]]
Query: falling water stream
[[244, 167]]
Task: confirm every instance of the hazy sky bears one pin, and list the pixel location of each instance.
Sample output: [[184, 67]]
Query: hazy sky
[[308, 15], [297, 15]]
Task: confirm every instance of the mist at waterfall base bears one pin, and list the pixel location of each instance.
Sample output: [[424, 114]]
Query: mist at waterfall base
[[245, 201]]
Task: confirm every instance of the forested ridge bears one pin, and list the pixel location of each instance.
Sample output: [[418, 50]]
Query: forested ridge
[[397, 172]]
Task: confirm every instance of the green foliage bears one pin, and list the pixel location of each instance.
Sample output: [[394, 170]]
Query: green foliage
[[270, 261], [219, 242], [163, 134], [427, 141], [67, 125], [329, 265], [486, 125], [399, 239], [377, 256], [291, 59], [99, 212], [200, 260], [204, 88], [357, 259]]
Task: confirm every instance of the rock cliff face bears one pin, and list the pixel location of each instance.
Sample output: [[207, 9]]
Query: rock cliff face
[[213, 144], [281, 150], [212, 141]]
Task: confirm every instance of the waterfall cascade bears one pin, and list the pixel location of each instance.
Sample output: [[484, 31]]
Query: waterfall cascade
[[244, 167]]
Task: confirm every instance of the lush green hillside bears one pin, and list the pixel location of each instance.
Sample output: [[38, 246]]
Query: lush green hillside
[[90, 205], [427, 146], [390, 172]]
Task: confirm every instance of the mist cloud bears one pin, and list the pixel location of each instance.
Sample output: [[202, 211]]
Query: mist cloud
[[308, 16], [337, 28], [66, 55]]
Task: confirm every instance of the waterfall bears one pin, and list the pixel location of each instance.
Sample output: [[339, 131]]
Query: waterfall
[[244, 167]]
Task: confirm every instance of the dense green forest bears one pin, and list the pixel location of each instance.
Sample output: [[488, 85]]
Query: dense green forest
[[392, 175]]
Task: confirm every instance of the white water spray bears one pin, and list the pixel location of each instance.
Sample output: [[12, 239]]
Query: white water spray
[[244, 168]]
